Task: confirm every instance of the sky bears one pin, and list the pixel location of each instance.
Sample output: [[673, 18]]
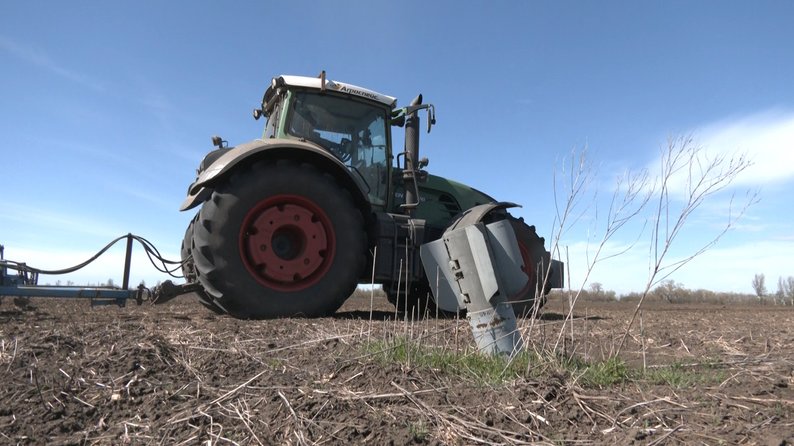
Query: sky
[[107, 108]]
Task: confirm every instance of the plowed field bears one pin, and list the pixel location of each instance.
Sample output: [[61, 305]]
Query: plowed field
[[178, 374]]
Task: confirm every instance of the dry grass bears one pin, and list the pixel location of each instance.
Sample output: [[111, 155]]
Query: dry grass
[[176, 375]]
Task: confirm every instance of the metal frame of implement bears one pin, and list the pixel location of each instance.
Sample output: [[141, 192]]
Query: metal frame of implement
[[24, 283]]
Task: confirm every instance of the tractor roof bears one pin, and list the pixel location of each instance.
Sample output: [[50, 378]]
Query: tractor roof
[[341, 87]]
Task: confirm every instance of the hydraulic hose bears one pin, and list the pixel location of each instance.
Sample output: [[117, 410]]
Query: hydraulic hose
[[159, 262]]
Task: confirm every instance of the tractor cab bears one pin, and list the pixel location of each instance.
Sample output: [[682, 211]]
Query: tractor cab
[[350, 122]]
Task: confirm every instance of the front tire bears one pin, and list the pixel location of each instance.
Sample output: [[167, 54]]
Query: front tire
[[189, 267], [279, 239]]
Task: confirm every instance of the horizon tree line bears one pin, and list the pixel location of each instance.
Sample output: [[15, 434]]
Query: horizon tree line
[[785, 289]]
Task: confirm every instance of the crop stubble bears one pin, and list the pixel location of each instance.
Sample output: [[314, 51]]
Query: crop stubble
[[176, 374]]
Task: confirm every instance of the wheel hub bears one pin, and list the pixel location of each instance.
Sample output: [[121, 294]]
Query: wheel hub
[[287, 242]]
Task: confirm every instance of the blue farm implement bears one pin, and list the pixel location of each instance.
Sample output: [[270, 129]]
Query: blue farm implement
[[19, 280]]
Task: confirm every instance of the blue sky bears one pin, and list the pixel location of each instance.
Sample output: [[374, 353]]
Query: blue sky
[[106, 109]]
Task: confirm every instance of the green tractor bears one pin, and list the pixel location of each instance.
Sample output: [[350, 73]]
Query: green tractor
[[291, 223]]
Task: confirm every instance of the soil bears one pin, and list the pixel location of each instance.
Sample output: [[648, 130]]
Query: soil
[[179, 374]]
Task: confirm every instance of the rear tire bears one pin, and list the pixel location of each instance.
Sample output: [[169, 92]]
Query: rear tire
[[419, 302], [279, 239], [189, 268], [530, 299], [416, 302]]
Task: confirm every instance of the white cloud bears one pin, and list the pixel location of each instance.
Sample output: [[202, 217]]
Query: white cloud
[[33, 218], [86, 152], [767, 138], [144, 193], [765, 247], [39, 57]]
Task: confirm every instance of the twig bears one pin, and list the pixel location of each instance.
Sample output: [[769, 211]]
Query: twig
[[538, 417], [35, 377], [642, 341], [13, 356], [664, 437], [646, 403], [236, 389], [79, 400], [355, 396], [289, 406], [685, 347], [246, 424], [762, 400], [454, 422]]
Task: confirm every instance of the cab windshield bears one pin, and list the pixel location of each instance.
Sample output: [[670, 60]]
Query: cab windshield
[[352, 131]]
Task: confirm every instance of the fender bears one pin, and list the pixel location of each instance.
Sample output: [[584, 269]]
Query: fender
[[477, 213], [201, 189]]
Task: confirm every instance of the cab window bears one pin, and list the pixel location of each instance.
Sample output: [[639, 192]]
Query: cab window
[[353, 131]]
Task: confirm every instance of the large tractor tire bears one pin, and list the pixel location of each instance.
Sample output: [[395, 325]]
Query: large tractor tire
[[279, 239], [189, 267], [529, 300]]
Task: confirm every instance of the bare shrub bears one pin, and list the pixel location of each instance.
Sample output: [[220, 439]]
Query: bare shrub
[[588, 296], [759, 285], [703, 177], [682, 295], [785, 290], [632, 193]]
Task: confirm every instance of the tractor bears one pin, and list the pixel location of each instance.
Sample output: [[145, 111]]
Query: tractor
[[290, 224]]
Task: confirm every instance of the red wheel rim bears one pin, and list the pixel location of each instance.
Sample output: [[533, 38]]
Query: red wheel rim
[[287, 242], [529, 270]]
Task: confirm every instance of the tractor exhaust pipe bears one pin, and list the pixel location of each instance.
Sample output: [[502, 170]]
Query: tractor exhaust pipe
[[411, 156], [412, 169]]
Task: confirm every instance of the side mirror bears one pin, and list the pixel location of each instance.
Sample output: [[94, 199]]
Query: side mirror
[[257, 113], [431, 117]]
